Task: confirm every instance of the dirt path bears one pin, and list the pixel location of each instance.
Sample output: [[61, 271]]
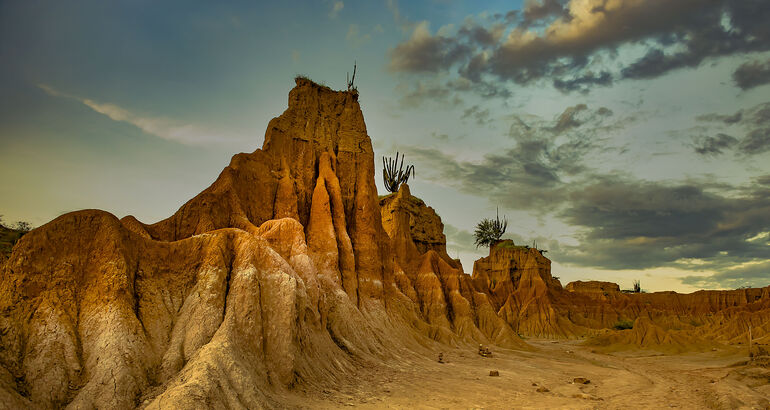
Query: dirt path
[[694, 381]]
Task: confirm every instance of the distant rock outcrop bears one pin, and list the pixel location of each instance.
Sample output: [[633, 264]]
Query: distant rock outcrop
[[520, 286], [592, 286]]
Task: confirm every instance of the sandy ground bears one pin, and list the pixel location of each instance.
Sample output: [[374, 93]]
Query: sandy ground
[[641, 380]]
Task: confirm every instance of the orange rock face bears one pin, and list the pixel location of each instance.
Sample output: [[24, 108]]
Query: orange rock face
[[522, 290], [287, 271], [592, 286], [279, 274]]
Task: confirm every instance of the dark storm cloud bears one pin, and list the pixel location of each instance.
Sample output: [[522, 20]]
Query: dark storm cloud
[[752, 74], [539, 10], [577, 36], [531, 173], [424, 52], [482, 35], [753, 123], [632, 224], [583, 83]]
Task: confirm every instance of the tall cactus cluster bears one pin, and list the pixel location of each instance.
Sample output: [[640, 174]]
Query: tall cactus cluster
[[393, 173]]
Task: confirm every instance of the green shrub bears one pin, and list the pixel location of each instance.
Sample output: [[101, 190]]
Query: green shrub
[[623, 324]]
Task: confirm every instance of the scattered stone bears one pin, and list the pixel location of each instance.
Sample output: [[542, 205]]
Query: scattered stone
[[580, 380], [542, 389], [570, 352], [534, 384], [441, 357], [484, 351], [494, 373]]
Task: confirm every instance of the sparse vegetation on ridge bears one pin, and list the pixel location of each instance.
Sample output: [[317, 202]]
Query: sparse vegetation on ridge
[[489, 231], [393, 174]]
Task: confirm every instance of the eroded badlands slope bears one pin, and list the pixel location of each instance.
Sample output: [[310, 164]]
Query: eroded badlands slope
[[279, 274], [289, 273]]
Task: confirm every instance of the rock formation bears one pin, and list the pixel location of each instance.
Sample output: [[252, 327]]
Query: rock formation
[[278, 275], [289, 272], [520, 286]]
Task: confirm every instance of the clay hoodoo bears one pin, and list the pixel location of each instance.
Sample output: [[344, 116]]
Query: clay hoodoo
[[278, 275], [446, 296], [289, 272]]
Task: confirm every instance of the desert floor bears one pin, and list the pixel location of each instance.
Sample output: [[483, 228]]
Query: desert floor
[[622, 380]]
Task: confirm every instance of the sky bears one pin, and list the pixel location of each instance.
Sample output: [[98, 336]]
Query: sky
[[628, 138]]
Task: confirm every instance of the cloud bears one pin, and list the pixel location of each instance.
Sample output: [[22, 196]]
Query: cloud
[[422, 92], [532, 174], [158, 126], [424, 52], [539, 10], [583, 83], [753, 122], [617, 221], [481, 117], [337, 6], [482, 35], [633, 224], [460, 240], [715, 145], [752, 74], [756, 274], [575, 44], [449, 93], [757, 141]]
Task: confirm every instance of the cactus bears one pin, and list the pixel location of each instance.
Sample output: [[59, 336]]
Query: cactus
[[489, 231], [393, 174]]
